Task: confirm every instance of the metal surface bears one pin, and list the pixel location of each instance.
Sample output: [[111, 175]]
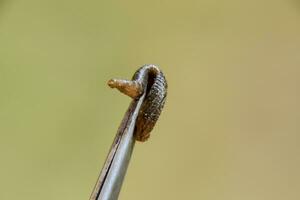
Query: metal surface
[[112, 175]]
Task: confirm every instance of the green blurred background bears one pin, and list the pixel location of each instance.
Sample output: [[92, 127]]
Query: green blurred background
[[230, 127]]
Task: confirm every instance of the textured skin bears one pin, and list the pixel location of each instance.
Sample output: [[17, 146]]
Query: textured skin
[[156, 92]]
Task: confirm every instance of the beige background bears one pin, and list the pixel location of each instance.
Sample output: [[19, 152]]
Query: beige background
[[230, 128]]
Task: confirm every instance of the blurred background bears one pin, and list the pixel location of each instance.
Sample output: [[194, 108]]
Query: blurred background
[[230, 127]]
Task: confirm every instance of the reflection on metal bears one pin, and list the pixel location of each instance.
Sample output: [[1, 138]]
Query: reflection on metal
[[111, 178]]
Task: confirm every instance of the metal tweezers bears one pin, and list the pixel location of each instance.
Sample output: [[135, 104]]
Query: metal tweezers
[[110, 180]]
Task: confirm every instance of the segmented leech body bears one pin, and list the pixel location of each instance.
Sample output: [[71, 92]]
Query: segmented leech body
[[151, 80], [156, 92]]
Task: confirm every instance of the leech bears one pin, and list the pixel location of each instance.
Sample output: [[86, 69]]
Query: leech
[[147, 79], [148, 88]]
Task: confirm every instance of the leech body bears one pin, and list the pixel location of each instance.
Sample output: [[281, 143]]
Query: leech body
[[147, 79], [148, 88]]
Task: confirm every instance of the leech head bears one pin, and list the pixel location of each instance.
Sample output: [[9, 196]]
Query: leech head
[[132, 89]]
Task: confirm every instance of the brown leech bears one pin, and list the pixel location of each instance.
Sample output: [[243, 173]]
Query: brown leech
[[147, 79], [148, 89]]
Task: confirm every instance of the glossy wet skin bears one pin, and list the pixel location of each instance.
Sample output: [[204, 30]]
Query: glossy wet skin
[[151, 80]]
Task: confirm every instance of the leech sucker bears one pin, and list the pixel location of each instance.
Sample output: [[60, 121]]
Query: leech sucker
[[151, 80], [130, 88]]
